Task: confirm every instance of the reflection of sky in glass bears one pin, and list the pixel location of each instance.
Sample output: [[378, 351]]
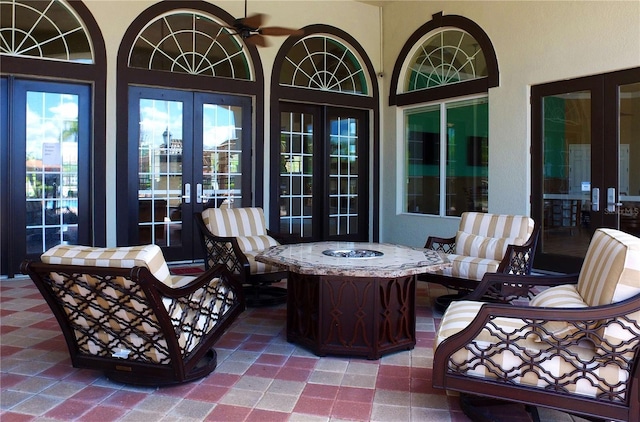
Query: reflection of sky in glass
[[48, 115], [156, 117], [218, 126]]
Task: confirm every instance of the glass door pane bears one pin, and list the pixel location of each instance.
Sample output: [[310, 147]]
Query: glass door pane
[[160, 188], [222, 155], [343, 175], [629, 152], [51, 170], [566, 173], [296, 173]]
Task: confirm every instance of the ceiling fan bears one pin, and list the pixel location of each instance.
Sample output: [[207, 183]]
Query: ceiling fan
[[252, 32]]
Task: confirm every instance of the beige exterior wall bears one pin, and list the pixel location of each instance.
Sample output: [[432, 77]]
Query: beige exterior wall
[[535, 42]]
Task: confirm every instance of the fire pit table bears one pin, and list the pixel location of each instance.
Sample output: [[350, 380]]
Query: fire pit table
[[352, 298]]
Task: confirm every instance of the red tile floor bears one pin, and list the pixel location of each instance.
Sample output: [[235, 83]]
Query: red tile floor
[[260, 376]]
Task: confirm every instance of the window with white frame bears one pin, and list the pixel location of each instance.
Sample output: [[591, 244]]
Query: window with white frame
[[441, 81], [447, 155]]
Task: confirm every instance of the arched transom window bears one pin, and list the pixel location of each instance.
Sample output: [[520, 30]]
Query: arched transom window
[[193, 43], [447, 57], [43, 29], [323, 63]]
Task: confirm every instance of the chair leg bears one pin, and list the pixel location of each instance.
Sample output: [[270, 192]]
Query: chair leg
[[264, 294], [485, 409]]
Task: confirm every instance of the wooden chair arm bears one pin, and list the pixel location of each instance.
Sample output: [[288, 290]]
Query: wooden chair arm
[[534, 320], [442, 244], [507, 287]]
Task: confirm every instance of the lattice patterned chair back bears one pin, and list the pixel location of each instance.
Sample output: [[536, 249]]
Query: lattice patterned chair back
[[575, 347], [122, 311]]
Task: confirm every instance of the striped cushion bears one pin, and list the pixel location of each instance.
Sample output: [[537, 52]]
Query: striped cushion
[[149, 256], [481, 246], [611, 273], [259, 267], [469, 267], [564, 296], [517, 227], [233, 222], [256, 243]]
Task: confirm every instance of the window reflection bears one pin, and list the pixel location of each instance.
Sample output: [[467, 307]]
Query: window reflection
[[51, 170]]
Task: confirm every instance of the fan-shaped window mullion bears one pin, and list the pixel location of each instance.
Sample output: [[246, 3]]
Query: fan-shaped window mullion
[[445, 58], [185, 44], [320, 62], [36, 33]]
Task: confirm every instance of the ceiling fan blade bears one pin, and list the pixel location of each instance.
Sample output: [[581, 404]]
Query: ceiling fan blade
[[278, 31], [253, 21], [257, 40]]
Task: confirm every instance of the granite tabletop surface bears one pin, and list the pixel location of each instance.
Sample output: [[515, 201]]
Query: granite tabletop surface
[[354, 259]]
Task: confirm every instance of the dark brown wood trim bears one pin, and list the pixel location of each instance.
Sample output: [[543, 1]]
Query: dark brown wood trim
[[292, 94], [126, 155], [462, 88]]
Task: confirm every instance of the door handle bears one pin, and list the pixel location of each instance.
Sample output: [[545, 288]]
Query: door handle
[[199, 196], [612, 200], [187, 193]]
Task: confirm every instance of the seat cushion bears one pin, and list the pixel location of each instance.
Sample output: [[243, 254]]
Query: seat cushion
[[469, 267], [256, 243], [149, 256], [234, 222], [259, 267], [564, 296]]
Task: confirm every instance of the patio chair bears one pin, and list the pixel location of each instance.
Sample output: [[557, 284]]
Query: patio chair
[[484, 243], [122, 312], [233, 237], [575, 348]]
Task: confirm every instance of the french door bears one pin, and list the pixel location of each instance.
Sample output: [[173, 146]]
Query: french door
[[321, 165], [46, 156], [584, 141], [191, 149]]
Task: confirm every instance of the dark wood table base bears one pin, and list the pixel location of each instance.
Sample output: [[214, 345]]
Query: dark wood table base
[[354, 316]]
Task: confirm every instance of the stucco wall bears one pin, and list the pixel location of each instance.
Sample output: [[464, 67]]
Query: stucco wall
[[535, 42]]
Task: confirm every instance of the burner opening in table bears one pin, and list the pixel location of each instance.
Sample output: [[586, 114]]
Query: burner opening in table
[[353, 253]]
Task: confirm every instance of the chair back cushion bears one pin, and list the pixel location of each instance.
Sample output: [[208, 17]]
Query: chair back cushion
[[487, 236], [611, 268], [149, 256], [234, 222]]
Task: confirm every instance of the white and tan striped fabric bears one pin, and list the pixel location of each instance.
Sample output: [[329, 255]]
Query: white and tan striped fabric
[[235, 222], [482, 240], [149, 256], [248, 226]]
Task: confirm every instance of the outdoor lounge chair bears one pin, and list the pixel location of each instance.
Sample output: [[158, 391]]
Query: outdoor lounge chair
[[233, 237], [484, 243], [575, 348], [122, 312]]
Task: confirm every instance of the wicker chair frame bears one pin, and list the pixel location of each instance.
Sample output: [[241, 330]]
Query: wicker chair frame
[[104, 308], [614, 400]]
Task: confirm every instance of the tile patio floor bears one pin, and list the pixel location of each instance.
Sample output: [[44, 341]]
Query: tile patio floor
[[260, 377]]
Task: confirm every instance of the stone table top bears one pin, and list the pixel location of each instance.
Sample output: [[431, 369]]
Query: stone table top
[[395, 261]]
